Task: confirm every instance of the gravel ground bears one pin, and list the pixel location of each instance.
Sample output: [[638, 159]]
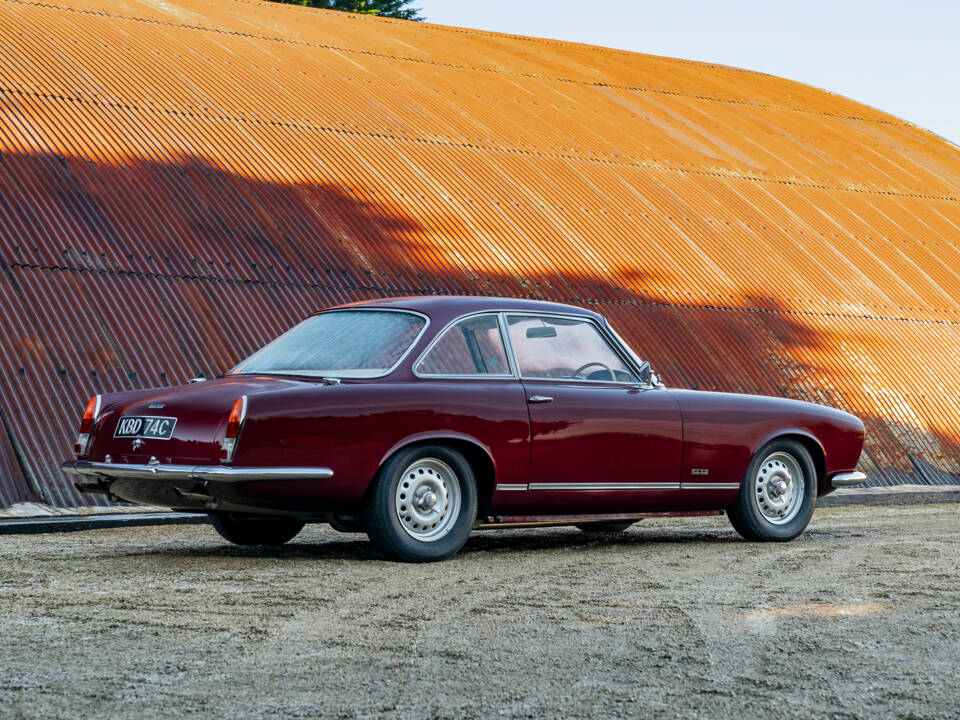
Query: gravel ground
[[676, 618]]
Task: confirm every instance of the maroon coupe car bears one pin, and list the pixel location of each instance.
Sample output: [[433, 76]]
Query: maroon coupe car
[[418, 419]]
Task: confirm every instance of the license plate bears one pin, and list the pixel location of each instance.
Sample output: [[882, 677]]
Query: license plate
[[154, 428]]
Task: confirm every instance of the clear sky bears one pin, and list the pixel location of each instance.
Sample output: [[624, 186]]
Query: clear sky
[[898, 56]]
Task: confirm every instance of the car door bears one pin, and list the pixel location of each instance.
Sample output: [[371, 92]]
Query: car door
[[600, 440], [472, 390]]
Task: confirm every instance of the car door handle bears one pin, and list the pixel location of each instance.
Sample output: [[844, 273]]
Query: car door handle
[[539, 399]]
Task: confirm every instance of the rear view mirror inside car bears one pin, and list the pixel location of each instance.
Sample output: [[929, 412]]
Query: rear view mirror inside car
[[541, 332]]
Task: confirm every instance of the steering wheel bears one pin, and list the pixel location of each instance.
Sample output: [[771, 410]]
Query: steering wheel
[[591, 364]]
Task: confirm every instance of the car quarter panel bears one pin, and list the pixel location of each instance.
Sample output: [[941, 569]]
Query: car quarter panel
[[351, 428], [722, 432]]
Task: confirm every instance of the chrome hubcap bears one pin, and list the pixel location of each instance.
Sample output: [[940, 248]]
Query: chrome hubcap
[[779, 488], [425, 499], [428, 499]]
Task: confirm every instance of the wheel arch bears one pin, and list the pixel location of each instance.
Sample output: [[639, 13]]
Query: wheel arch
[[812, 445], [476, 453]]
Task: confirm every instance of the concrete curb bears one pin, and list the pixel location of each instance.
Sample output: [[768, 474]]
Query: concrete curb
[[74, 523], [892, 496]]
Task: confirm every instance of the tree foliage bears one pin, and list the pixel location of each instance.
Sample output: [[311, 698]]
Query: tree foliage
[[386, 8]]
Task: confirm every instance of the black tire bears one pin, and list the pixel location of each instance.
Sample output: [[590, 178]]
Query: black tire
[[381, 516], [346, 524], [243, 529], [745, 514], [608, 527]]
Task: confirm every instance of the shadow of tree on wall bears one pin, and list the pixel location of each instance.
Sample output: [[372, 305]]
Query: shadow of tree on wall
[[143, 273]]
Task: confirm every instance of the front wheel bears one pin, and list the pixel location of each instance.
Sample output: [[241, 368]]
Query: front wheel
[[777, 495], [422, 505], [243, 529]]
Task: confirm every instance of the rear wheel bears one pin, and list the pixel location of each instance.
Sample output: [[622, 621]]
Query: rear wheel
[[777, 495], [422, 505], [605, 527], [243, 529]]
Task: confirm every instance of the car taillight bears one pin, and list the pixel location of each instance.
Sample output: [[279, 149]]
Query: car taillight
[[86, 425], [228, 446]]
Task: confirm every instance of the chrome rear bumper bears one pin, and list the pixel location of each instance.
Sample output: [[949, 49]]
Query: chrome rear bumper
[[847, 479], [218, 473]]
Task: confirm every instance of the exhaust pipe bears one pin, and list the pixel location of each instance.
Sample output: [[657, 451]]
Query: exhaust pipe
[[101, 488], [200, 497]]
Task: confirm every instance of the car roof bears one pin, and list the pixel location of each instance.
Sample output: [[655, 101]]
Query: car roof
[[455, 305]]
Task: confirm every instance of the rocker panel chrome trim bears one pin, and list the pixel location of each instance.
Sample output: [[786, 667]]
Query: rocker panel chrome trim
[[709, 486], [605, 486]]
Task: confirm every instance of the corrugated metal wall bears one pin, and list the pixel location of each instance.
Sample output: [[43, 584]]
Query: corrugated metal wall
[[179, 181]]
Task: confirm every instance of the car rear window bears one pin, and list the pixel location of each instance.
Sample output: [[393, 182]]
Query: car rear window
[[339, 343]]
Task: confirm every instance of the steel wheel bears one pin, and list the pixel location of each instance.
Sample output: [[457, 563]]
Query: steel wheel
[[427, 499], [778, 493], [422, 504], [779, 488]]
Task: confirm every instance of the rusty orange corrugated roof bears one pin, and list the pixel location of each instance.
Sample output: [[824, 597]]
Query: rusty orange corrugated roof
[[183, 179]]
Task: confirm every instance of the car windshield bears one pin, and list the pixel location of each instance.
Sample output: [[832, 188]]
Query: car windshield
[[339, 343]]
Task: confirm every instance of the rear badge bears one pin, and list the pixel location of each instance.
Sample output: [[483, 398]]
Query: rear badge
[[137, 443]]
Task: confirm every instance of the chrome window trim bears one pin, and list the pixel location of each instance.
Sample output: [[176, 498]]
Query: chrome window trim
[[638, 363], [368, 308], [615, 343], [512, 375], [508, 344]]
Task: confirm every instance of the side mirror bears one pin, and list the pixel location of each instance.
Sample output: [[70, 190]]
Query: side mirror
[[542, 332], [645, 373]]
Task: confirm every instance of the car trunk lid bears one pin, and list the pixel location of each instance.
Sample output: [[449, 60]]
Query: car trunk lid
[[183, 424]]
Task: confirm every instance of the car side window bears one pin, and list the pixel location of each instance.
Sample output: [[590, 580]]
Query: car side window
[[564, 348], [472, 346]]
